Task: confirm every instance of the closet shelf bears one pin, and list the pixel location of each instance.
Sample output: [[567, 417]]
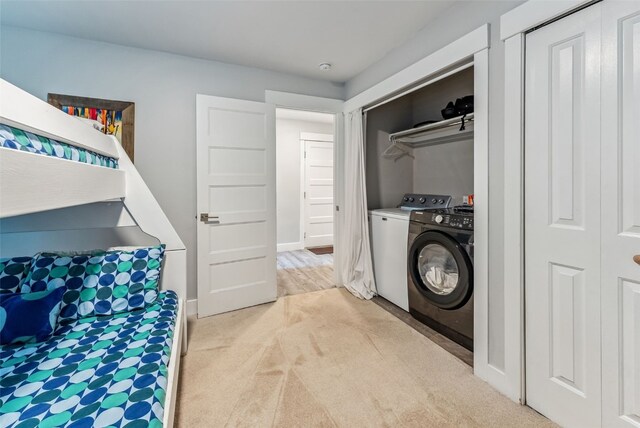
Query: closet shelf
[[435, 133]]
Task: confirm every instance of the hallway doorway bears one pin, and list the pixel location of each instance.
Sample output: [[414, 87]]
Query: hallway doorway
[[305, 200]]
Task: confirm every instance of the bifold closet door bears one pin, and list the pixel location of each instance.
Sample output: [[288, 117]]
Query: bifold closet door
[[236, 204], [562, 219], [621, 213]]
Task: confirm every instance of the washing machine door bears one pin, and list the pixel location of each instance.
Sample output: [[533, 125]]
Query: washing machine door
[[441, 270]]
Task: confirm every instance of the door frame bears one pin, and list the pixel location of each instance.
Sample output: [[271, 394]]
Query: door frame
[[513, 28], [472, 48], [288, 100], [304, 137]]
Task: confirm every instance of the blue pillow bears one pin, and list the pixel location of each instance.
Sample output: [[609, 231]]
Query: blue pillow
[[29, 317], [13, 272]]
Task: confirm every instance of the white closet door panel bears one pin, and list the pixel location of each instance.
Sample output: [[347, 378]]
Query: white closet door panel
[[562, 224], [235, 185], [621, 214], [566, 140]]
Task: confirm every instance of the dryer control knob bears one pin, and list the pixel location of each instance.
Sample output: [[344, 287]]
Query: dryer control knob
[[422, 200], [411, 199], [439, 218]]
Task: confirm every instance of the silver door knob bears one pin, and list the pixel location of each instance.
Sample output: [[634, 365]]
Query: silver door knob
[[209, 218], [636, 258]]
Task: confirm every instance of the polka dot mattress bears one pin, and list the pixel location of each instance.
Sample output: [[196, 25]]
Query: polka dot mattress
[[106, 371], [13, 138]]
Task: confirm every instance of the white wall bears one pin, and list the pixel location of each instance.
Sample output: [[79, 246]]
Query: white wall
[[460, 19], [288, 149], [163, 86]]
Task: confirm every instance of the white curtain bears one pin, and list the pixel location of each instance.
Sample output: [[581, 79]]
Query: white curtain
[[356, 266]]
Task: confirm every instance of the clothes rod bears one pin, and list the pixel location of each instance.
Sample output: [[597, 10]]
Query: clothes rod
[[415, 88]]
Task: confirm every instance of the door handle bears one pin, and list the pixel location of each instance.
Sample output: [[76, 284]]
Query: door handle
[[636, 258], [209, 218]]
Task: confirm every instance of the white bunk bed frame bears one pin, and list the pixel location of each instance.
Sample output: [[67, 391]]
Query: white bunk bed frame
[[114, 205]]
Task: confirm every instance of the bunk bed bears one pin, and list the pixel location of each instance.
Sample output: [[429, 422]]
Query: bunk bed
[[68, 188]]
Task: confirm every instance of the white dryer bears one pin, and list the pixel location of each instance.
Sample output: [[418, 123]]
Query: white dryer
[[389, 231]]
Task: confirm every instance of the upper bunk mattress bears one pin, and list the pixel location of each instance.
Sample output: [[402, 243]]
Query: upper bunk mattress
[[95, 372], [17, 139]]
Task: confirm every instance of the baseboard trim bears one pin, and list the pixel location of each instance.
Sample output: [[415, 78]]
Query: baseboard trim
[[192, 307], [290, 246]]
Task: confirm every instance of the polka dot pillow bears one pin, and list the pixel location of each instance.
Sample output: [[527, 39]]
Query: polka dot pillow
[[103, 283], [120, 281], [50, 271], [13, 272]]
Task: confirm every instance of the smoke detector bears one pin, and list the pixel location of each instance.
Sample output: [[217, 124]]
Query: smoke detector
[[324, 66]]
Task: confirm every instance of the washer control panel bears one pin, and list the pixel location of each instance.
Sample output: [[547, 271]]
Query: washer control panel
[[461, 221], [445, 217]]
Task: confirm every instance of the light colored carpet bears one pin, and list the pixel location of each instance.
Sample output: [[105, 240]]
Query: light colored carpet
[[328, 359]]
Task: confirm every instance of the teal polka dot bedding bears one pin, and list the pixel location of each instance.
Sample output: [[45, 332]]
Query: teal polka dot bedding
[[17, 139], [100, 283], [104, 371], [13, 272]]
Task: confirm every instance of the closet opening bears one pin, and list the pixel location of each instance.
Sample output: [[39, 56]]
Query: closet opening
[[419, 156], [305, 200]]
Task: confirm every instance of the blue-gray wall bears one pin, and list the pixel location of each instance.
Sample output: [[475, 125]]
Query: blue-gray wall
[[164, 88]]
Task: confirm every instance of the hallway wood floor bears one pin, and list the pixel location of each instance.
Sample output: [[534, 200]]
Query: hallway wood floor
[[301, 271]]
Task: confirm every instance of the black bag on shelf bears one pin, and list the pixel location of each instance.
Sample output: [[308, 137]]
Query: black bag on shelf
[[449, 111], [464, 105]]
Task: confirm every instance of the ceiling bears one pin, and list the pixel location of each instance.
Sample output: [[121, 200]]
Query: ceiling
[[286, 36]]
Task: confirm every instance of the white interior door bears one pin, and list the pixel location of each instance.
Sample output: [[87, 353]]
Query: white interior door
[[236, 190], [318, 193], [621, 213], [562, 219]]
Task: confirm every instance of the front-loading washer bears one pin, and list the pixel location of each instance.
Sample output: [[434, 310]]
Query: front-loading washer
[[440, 271]]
